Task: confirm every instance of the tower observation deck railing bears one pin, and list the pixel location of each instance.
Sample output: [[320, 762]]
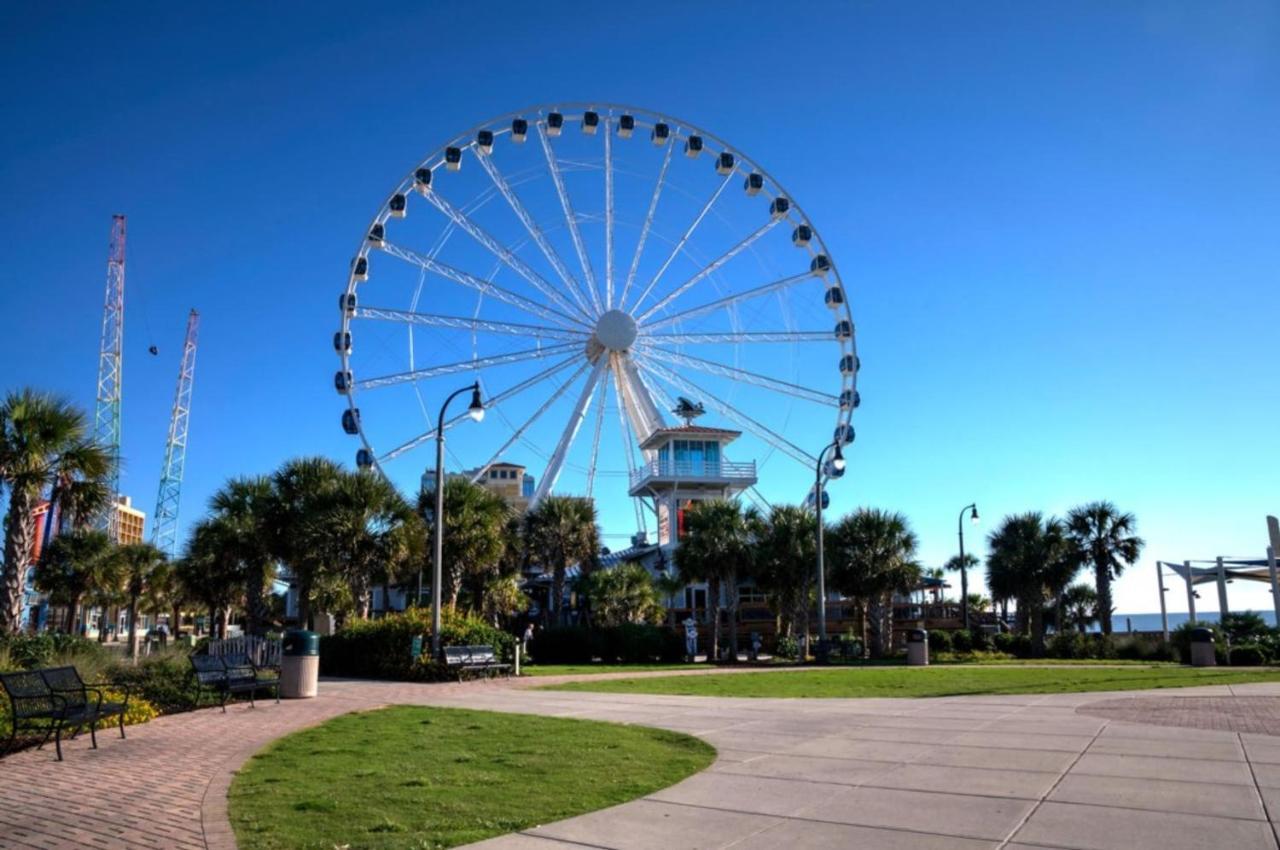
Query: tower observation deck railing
[[692, 470]]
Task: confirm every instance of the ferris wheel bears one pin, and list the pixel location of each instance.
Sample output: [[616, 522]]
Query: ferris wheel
[[592, 266]]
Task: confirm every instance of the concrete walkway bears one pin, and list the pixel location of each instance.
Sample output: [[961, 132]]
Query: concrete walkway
[[965, 772]]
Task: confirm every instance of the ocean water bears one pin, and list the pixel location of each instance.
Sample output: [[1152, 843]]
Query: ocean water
[[1151, 622]]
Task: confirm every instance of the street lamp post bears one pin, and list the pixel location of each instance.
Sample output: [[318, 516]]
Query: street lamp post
[[837, 463], [476, 411], [964, 568]]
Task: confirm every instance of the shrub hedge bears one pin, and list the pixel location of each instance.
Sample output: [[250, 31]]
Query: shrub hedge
[[624, 644], [1249, 655], [383, 648]]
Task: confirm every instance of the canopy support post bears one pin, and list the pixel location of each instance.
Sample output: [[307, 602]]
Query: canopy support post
[[1164, 615], [1191, 592], [1223, 610]]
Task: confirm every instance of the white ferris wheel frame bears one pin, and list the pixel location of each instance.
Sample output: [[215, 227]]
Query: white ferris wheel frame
[[574, 306]]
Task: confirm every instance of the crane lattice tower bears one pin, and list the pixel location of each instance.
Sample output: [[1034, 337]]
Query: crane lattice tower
[[106, 423], [164, 530]]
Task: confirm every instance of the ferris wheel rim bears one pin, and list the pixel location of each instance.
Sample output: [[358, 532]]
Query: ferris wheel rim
[[680, 129]]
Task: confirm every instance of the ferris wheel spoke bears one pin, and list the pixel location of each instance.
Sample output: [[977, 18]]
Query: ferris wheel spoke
[[711, 367], [727, 410], [512, 392], [480, 285], [710, 268], [636, 397], [744, 336], [608, 221], [500, 251], [552, 473], [675, 252], [729, 300], [535, 232], [595, 439], [468, 365], [435, 320], [537, 414], [553, 167], [647, 226]]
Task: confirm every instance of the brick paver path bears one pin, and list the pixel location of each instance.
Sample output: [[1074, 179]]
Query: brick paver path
[[1231, 714], [997, 772]]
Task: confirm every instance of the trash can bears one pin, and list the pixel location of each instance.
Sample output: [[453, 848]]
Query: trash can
[[1202, 648], [917, 648], [299, 665]]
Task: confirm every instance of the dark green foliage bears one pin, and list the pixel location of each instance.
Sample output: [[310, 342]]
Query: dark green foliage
[[1245, 627], [786, 647], [1249, 655], [164, 681], [961, 641], [27, 652], [382, 648], [629, 643], [981, 640], [940, 641]]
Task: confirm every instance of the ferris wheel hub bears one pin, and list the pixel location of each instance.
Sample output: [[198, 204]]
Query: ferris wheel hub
[[616, 330]]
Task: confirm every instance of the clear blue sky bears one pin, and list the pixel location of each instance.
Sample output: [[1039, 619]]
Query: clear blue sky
[[1059, 219]]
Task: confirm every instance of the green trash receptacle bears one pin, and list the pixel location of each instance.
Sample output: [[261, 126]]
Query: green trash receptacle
[[299, 664]]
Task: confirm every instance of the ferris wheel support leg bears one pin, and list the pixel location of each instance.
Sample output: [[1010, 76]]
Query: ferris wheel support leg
[[552, 473], [638, 402]]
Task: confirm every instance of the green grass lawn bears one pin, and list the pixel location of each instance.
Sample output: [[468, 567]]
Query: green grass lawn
[[928, 681], [420, 777], [583, 669]]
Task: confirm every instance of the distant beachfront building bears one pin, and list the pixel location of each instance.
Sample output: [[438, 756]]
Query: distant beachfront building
[[508, 480]]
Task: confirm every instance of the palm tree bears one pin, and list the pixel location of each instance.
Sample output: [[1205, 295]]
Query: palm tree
[[140, 562], [1030, 560], [874, 557], [1106, 538], [303, 487], [164, 594], [475, 537], [786, 557], [716, 549], [560, 532], [372, 531], [44, 445], [76, 565], [1079, 607], [243, 508], [955, 564], [213, 572], [624, 594]]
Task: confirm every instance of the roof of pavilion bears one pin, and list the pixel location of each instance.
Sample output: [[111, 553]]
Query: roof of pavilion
[[1249, 569]]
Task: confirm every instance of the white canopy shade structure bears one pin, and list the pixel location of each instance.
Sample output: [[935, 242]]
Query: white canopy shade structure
[[1221, 571]]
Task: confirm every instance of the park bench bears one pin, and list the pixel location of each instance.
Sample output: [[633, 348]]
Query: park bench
[[57, 699], [227, 675], [480, 660]]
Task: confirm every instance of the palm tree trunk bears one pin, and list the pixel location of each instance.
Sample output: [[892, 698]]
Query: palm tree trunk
[[1037, 629], [733, 617], [133, 627], [71, 613], [304, 603], [557, 595], [1102, 582], [176, 625], [713, 608], [875, 614], [19, 531]]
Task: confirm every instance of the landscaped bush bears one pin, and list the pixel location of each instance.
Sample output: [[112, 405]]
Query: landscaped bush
[[940, 641], [961, 641], [27, 652], [981, 640], [164, 680], [630, 643], [383, 648], [786, 647], [1248, 655], [1139, 648], [1071, 645]]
